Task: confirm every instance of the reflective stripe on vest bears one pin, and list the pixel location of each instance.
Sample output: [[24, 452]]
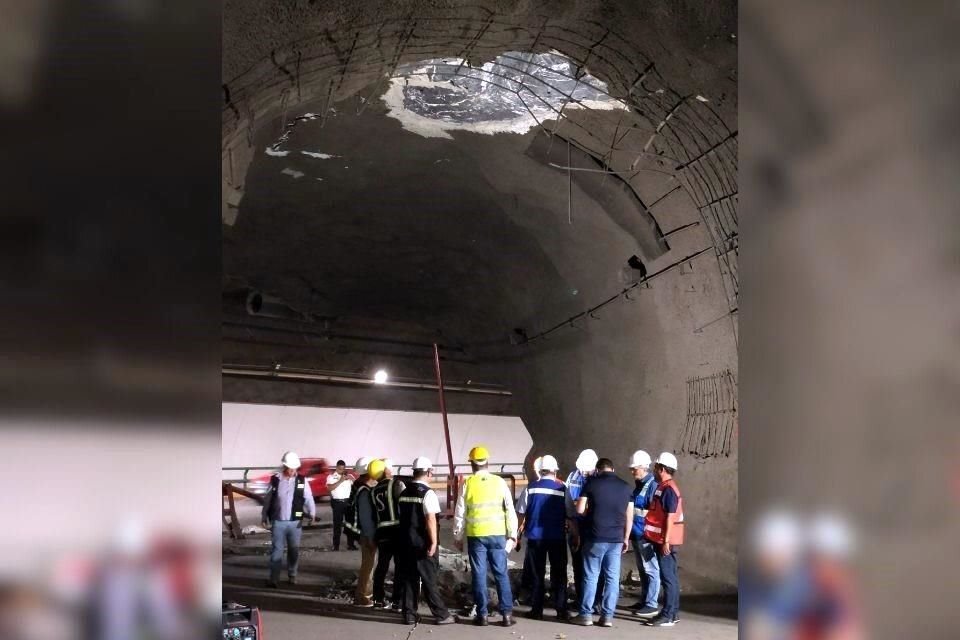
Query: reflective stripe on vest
[[298, 514], [409, 499], [485, 506], [354, 525], [546, 492], [656, 519], [379, 497]]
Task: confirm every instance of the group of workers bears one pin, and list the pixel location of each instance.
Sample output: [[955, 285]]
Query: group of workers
[[595, 513]]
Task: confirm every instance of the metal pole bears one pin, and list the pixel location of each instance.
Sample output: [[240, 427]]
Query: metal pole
[[443, 410]]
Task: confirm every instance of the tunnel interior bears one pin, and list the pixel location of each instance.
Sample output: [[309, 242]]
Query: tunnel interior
[[546, 191]]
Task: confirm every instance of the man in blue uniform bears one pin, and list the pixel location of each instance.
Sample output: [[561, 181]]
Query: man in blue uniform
[[542, 513]]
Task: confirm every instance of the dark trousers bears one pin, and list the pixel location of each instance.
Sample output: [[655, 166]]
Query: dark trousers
[[339, 508], [670, 580], [526, 577], [577, 558], [536, 559], [387, 551], [419, 569]]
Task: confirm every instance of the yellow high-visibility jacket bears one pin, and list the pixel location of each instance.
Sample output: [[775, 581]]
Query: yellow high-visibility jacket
[[485, 508]]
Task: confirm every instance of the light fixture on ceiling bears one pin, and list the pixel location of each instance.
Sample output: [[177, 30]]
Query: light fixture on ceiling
[[380, 377]]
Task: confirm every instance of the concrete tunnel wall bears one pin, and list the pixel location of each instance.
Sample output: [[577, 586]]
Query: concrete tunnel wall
[[616, 383]]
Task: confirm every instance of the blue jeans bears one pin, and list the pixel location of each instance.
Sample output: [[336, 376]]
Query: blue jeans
[[483, 550], [597, 557], [671, 584], [285, 533], [649, 568]]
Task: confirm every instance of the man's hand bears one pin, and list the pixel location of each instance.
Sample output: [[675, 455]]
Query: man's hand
[[313, 520], [665, 549], [458, 544], [432, 550], [265, 524], [626, 546]]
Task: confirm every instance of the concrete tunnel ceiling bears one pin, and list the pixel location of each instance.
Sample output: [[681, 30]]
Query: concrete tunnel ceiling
[[479, 174]]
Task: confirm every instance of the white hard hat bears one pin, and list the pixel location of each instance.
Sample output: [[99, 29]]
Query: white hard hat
[[388, 464], [667, 459], [640, 458], [549, 463], [362, 463], [422, 463], [538, 466], [831, 535], [777, 533], [290, 460], [587, 460]]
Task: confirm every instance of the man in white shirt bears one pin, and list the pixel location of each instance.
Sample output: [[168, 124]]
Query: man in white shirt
[[419, 545], [339, 484]]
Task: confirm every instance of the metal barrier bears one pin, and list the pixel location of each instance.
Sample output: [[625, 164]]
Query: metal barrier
[[515, 468], [454, 484]]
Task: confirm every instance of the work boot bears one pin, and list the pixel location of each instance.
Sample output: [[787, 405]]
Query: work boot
[[508, 620], [480, 621], [448, 620], [582, 620]]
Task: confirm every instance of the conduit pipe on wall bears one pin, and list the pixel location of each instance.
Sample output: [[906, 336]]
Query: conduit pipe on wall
[[277, 372]]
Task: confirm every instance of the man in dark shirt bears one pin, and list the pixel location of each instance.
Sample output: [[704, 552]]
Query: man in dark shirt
[[607, 503]]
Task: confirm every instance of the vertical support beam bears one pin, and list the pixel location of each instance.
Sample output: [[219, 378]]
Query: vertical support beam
[[443, 412]]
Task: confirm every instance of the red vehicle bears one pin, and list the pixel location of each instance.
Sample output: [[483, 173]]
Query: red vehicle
[[315, 470]]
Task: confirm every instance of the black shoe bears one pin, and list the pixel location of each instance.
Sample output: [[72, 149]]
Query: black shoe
[[605, 622], [410, 619], [507, 621], [646, 612], [378, 604], [293, 579], [273, 584], [563, 616], [448, 620], [661, 621], [480, 621], [535, 615], [351, 547]]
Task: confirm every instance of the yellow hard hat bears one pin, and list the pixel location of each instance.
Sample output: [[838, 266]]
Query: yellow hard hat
[[375, 469], [479, 454]]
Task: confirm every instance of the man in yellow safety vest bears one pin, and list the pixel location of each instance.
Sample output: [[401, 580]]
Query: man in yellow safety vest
[[485, 514]]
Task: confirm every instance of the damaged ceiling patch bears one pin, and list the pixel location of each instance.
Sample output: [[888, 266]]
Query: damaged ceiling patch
[[508, 95]]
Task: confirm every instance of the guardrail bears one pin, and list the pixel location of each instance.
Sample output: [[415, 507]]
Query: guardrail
[[515, 468]]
